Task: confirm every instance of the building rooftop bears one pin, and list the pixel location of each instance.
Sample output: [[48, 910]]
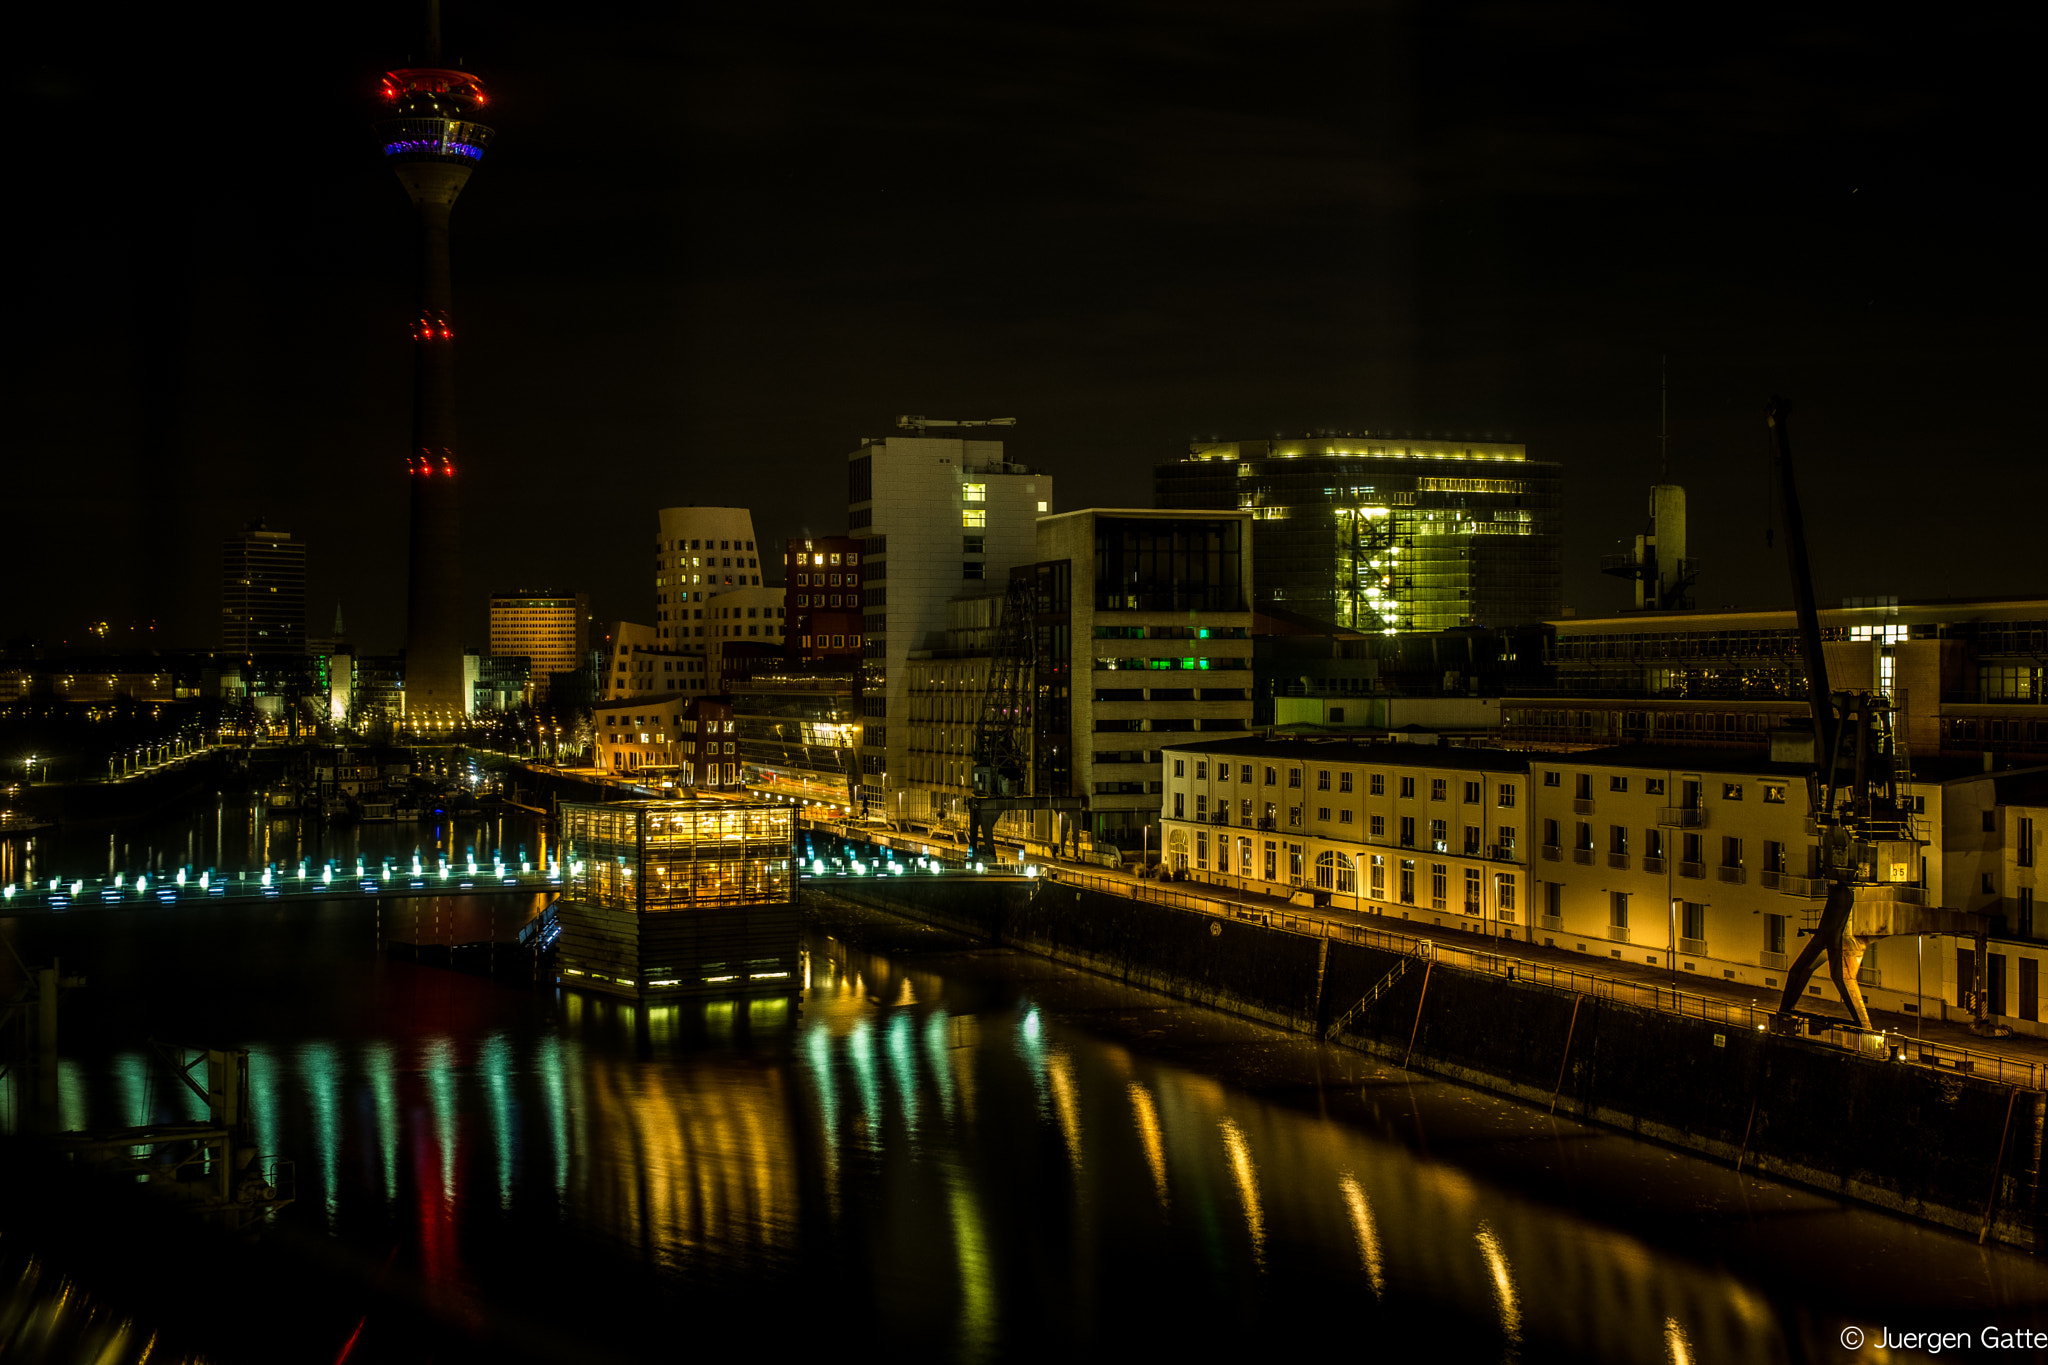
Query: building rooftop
[[1679, 758], [1352, 749]]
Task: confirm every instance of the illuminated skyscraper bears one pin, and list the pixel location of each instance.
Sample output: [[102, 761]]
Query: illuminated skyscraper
[[263, 592], [432, 143]]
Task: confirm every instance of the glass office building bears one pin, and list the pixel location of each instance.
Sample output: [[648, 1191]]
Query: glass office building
[[1387, 534]]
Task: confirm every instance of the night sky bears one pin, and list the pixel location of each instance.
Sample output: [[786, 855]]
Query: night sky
[[715, 245]]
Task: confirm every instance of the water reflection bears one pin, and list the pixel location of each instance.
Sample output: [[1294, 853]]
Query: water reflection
[[940, 1154]]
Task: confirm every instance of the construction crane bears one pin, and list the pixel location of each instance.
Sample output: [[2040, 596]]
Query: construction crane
[[918, 424], [1003, 727], [1869, 848]]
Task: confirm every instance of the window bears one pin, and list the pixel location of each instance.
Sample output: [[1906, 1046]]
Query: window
[[1504, 893], [1653, 786], [1731, 791], [1378, 827], [1439, 886], [974, 518], [1244, 774], [1322, 779], [1294, 777], [1407, 881], [1692, 921], [1343, 782], [1202, 849], [1471, 841], [1272, 861], [1990, 817], [1344, 816], [1407, 831], [1617, 784], [1617, 840], [1507, 795], [1553, 779], [1653, 843], [1245, 810], [1326, 871], [1550, 834], [974, 492], [1347, 876], [1408, 787], [1437, 788], [1201, 769], [1294, 817], [1294, 864], [2023, 845], [1322, 812], [1504, 836], [1774, 793], [1376, 871], [972, 569], [969, 545], [1774, 934], [1272, 778], [1472, 797], [1180, 806], [1439, 837], [1731, 850], [1583, 786], [1617, 909], [1201, 806], [1472, 875], [1378, 785], [1180, 767]]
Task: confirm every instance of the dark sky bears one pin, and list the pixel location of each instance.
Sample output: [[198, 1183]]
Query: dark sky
[[714, 245]]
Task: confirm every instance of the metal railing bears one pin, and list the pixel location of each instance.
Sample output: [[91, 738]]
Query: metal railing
[[1618, 860], [1695, 870], [1617, 933], [1582, 805], [1583, 856], [1775, 962], [1681, 817], [1652, 864], [1553, 853], [1646, 995], [1693, 947], [1731, 874]]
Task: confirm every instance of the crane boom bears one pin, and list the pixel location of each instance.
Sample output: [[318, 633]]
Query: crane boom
[[918, 424]]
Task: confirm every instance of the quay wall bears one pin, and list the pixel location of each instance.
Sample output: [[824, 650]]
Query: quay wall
[[1933, 1144]]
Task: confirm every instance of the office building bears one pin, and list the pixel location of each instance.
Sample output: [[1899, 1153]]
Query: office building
[[1387, 535], [263, 592], [799, 736], [934, 515], [637, 662], [550, 630], [699, 552], [823, 578]]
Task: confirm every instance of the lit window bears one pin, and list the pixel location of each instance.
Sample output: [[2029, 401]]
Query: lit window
[[974, 492], [974, 516], [1043, 507]]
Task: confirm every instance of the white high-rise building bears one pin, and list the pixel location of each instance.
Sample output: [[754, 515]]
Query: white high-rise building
[[939, 516]]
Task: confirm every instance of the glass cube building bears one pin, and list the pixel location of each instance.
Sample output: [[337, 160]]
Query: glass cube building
[[1387, 534], [679, 897]]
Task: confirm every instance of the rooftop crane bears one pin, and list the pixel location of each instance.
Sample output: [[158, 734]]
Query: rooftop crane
[[1869, 849]]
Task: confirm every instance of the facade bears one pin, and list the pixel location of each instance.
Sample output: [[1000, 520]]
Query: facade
[[1157, 607], [497, 682], [1433, 835], [263, 592], [672, 741], [745, 624], [638, 664], [432, 141], [551, 630], [823, 578], [945, 693], [699, 552], [799, 736], [679, 897], [1387, 535], [1967, 677], [933, 515]]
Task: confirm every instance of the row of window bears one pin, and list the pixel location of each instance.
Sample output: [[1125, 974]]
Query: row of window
[[1473, 793], [818, 600], [1338, 872], [1582, 787]]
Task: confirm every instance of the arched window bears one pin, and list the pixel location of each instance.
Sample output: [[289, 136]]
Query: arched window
[[1177, 850], [1347, 875], [1326, 871]]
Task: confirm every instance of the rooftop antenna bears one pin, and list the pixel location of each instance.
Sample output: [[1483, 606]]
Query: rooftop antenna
[[1664, 416]]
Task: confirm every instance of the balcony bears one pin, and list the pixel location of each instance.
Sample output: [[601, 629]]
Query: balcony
[[1806, 888], [1776, 962], [1500, 853], [1696, 870], [1681, 817], [1583, 856], [1769, 880], [1618, 860], [1617, 933], [1552, 853], [1652, 863], [1582, 805], [1736, 874], [1692, 947], [1553, 923]]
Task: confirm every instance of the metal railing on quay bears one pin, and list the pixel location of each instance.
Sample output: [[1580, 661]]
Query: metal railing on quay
[[1290, 918]]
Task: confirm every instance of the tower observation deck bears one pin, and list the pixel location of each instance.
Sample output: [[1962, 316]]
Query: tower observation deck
[[432, 140]]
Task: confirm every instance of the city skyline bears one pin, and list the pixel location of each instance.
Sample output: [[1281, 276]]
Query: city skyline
[[1074, 239]]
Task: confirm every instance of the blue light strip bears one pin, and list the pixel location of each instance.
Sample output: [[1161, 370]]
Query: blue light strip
[[434, 148]]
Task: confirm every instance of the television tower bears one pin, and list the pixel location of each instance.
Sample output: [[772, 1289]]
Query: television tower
[[432, 141]]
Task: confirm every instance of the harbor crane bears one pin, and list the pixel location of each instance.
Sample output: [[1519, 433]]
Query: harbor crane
[[1868, 843]]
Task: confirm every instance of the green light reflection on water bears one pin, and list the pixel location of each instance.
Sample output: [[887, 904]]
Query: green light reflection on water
[[71, 1110], [495, 1061], [438, 1057], [937, 1042], [263, 1098], [903, 1067], [548, 1059], [320, 1070], [860, 1050], [384, 1087]]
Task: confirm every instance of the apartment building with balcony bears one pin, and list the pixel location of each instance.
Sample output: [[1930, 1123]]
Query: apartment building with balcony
[[1433, 835]]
